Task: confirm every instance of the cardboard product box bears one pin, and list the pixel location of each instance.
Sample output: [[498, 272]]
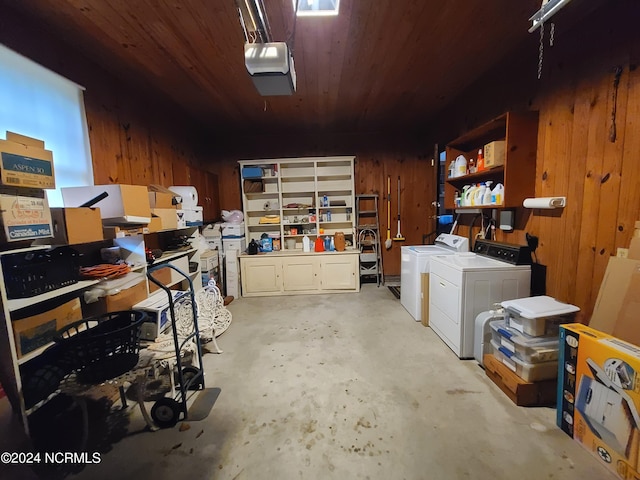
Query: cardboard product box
[[38, 330], [167, 216], [494, 154], [598, 396], [26, 164], [163, 275], [208, 260], [161, 200], [618, 301], [124, 203], [231, 230], [193, 216], [157, 307], [124, 300], [238, 244], [425, 299], [76, 225], [521, 392], [24, 214]]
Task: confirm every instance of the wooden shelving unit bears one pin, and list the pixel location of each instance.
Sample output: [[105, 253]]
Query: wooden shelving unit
[[519, 130]]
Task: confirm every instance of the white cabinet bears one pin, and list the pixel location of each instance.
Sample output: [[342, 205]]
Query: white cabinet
[[339, 272], [301, 273], [291, 273], [297, 196], [261, 275]]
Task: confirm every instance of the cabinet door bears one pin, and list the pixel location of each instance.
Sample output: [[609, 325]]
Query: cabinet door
[[260, 275], [300, 273], [338, 272]]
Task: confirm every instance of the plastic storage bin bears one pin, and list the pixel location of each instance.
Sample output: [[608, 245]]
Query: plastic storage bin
[[529, 372], [538, 316], [527, 349]]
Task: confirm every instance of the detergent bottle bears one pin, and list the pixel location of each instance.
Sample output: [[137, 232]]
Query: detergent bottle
[[479, 196], [463, 196], [471, 195], [306, 244], [461, 166], [497, 194], [487, 193]]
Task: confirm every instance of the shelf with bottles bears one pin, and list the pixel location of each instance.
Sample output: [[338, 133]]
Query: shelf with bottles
[[513, 166]]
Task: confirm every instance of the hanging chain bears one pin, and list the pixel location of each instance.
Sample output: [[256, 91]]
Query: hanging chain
[[541, 50], [551, 34]]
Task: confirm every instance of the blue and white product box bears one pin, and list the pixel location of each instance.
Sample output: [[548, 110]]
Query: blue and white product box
[[193, 216], [157, 308], [233, 230]]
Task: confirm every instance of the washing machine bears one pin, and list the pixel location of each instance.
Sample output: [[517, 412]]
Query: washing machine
[[465, 284], [415, 262]]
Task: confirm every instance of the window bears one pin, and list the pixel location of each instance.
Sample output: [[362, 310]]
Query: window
[[39, 103], [317, 7]]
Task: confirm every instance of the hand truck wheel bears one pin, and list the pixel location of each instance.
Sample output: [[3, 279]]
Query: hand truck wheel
[[188, 374], [165, 412]]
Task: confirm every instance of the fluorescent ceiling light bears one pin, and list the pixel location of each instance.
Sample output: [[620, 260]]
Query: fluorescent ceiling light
[[549, 8], [311, 8]]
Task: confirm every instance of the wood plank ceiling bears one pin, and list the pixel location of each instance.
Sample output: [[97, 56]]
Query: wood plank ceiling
[[379, 66]]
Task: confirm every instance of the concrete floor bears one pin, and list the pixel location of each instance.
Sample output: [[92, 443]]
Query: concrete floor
[[345, 386]]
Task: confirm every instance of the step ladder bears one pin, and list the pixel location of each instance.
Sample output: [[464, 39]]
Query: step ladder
[[368, 229]]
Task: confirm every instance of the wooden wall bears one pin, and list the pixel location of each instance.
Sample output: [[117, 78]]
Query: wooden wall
[[136, 137], [377, 156], [576, 157]]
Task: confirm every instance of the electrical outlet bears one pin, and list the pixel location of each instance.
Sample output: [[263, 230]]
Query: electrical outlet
[[622, 253]]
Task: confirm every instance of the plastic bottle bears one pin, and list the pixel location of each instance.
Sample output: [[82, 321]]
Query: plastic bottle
[[479, 196], [461, 166], [464, 197], [480, 162], [471, 196], [319, 245], [306, 244], [497, 194], [452, 169], [487, 194], [328, 215]]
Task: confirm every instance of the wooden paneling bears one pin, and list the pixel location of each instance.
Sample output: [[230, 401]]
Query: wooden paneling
[[576, 157], [135, 138]]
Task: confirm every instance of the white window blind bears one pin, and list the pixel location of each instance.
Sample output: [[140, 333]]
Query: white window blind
[[39, 103]]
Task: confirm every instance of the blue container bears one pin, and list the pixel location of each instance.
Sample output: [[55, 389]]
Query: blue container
[[252, 172]]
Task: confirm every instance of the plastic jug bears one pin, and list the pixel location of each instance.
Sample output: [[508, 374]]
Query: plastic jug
[[464, 197], [471, 196], [306, 244], [487, 194], [319, 245], [461, 166], [497, 194], [479, 195]]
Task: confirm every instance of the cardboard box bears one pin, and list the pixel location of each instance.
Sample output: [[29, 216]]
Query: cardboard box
[[157, 307], [124, 203], [161, 200], [163, 275], [125, 300], [208, 260], [193, 216], [76, 225], [232, 273], [598, 396], [522, 393], [618, 301], [231, 230], [425, 299], [24, 140], [24, 214], [494, 154], [38, 330], [167, 216], [26, 165], [182, 219]]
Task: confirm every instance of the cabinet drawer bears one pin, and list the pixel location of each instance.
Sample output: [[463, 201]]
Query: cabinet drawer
[[445, 295]]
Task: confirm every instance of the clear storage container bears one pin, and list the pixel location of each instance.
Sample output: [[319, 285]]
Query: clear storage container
[[529, 372], [526, 348], [538, 316]]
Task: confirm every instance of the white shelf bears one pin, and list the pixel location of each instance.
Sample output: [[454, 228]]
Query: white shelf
[[34, 353], [18, 303], [170, 256]]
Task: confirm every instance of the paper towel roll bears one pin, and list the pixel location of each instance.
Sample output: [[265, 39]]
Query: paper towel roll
[[544, 202], [188, 193]]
